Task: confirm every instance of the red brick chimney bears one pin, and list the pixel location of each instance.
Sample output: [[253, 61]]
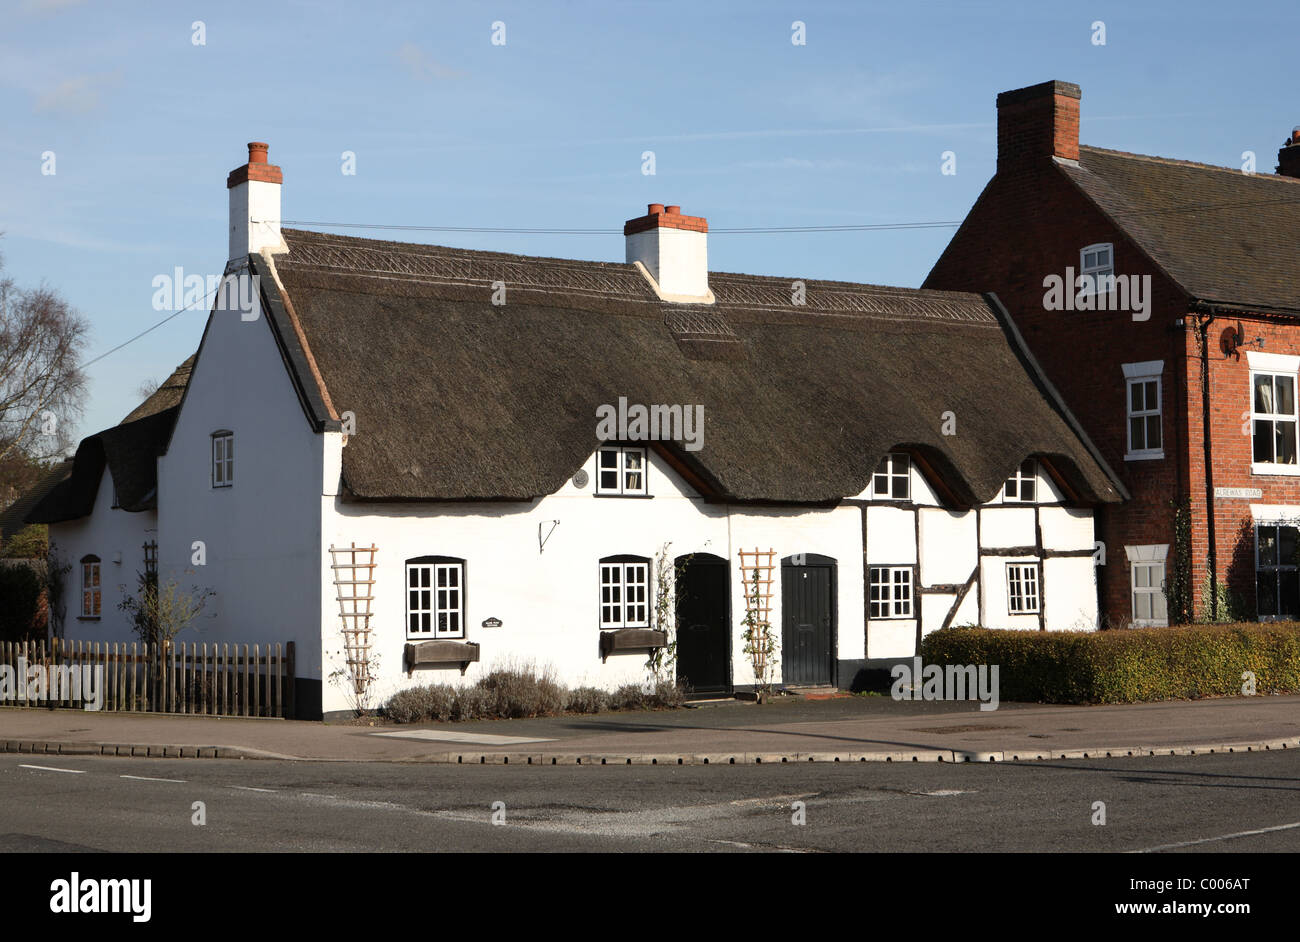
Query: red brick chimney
[[1288, 158], [1038, 123]]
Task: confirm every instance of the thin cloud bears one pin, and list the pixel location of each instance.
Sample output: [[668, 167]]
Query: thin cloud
[[80, 94], [420, 66]]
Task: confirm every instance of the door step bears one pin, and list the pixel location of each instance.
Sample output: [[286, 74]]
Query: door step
[[820, 692]]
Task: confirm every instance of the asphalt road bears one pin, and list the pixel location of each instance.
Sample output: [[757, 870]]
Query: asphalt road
[[1241, 803]]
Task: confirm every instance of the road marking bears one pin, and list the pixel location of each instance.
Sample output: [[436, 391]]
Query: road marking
[[48, 768], [250, 788], [474, 739], [145, 778], [1224, 837]]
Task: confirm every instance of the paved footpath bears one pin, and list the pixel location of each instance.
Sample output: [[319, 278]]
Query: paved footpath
[[847, 729]]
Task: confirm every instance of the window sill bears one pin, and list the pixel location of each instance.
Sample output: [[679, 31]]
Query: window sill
[[875, 618], [1276, 470], [627, 496], [1144, 456], [89, 617]]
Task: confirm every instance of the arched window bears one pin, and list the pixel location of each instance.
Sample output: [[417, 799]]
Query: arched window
[[624, 592], [435, 597], [90, 589]]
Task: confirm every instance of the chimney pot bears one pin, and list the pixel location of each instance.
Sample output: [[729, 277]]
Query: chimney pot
[[673, 210], [257, 152], [654, 209]]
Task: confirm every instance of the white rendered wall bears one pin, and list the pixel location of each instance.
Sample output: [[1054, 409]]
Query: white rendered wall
[[118, 539], [260, 536], [677, 259]]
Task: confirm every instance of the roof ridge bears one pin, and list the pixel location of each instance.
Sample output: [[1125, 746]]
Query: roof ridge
[[1194, 164]]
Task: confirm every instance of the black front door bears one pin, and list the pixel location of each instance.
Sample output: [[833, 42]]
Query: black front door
[[703, 624], [807, 620]]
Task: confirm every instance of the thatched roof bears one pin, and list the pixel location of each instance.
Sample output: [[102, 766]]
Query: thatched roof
[[14, 517], [130, 450], [1225, 236], [456, 398]]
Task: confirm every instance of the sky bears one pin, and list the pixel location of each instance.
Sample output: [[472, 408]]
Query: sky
[[549, 128]]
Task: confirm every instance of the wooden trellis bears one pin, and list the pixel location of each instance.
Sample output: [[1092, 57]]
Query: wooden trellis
[[757, 578], [354, 582]]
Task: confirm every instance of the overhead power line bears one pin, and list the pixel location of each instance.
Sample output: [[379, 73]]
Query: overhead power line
[[510, 230], [148, 330]]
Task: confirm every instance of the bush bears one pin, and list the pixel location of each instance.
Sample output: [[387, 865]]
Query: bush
[[474, 703], [421, 704], [1142, 664], [519, 693], [22, 603], [586, 700]]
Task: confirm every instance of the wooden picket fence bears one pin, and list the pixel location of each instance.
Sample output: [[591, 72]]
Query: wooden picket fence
[[175, 677]]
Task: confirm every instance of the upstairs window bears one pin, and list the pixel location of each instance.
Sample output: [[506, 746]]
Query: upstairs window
[[435, 597], [892, 479], [1022, 588], [1095, 263], [90, 589], [1142, 402], [223, 459], [1022, 486], [624, 592], [621, 470], [1273, 418]]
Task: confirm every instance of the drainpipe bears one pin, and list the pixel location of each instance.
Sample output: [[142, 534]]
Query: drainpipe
[[1203, 327]]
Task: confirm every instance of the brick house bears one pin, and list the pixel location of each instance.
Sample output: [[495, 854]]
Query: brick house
[[1162, 298]]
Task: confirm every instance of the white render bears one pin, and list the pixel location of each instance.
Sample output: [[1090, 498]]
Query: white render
[[255, 219], [676, 260]]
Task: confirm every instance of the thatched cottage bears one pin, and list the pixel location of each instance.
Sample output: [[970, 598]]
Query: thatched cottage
[[896, 456]]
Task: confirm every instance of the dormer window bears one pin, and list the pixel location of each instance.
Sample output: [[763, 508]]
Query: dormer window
[[621, 470], [1021, 486], [1097, 262], [892, 478], [223, 458]]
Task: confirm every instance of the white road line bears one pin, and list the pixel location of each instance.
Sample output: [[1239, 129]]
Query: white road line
[[47, 768], [250, 788], [1224, 837], [145, 778]]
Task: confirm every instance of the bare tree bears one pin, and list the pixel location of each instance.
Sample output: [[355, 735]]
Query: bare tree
[[42, 342]]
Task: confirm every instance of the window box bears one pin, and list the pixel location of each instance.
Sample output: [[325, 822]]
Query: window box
[[628, 639], [440, 654]]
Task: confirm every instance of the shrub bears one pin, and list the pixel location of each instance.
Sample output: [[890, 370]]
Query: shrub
[[1182, 662], [587, 700], [630, 697], [668, 695], [421, 704], [474, 703], [22, 603], [519, 692]]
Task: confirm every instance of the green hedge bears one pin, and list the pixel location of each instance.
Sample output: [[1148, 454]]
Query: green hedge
[[1127, 666]]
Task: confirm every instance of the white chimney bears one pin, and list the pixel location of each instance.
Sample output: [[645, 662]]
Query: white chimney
[[672, 252], [255, 205]]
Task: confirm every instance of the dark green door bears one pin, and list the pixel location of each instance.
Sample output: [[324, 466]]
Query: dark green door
[[703, 624], [807, 620]]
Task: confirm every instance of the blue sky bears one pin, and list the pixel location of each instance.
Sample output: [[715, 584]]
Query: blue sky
[[548, 129]]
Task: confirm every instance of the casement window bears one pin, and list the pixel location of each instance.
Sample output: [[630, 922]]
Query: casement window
[[1273, 418], [892, 478], [1097, 267], [891, 591], [435, 597], [1276, 581], [1142, 401], [621, 470], [223, 459], [90, 588], [624, 592], [1148, 582], [1022, 588], [1021, 487]]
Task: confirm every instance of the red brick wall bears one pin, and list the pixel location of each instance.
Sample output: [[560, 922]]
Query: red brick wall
[[1030, 222]]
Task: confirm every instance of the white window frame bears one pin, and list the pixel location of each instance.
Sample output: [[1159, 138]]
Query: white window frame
[[1024, 595], [1096, 271], [223, 458], [889, 469], [1018, 481], [1136, 374], [630, 467], [1274, 365], [92, 586], [435, 602], [889, 593], [624, 583], [1277, 568]]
